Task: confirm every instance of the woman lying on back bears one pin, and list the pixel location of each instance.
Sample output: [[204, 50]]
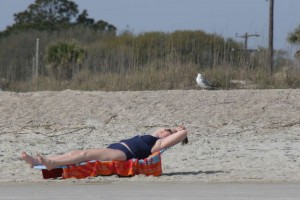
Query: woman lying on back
[[140, 147]]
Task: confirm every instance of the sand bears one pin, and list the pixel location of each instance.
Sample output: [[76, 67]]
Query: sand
[[235, 135]]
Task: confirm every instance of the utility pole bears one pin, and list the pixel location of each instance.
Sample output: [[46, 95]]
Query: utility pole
[[246, 36], [37, 58], [271, 33]]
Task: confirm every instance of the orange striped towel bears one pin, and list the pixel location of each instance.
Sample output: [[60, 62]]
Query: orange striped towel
[[148, 166]]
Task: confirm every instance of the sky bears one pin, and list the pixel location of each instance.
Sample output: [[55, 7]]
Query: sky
[[228, 18]]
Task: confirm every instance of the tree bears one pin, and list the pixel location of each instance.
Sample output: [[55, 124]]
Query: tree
[[294, 37], [104, 26], [46, 15], [63, 59], [100, 25], [55, 15], [84, 20]]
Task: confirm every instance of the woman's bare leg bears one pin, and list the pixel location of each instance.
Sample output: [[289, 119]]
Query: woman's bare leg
[[74, 157], [31, 161], [64, 156]]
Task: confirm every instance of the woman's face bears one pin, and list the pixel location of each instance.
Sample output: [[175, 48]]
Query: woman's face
[[164, 133]]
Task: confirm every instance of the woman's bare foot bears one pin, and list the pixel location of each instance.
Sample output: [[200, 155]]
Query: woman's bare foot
[[47, 162], [29, 159]]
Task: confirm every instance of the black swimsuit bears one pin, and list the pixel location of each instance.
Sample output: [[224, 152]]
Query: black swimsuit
[[121, 147], [140, 146]]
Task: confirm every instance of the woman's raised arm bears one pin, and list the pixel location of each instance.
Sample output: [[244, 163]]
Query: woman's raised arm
[[178, 134]]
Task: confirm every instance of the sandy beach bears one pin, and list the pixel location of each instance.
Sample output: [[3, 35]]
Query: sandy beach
[[248, 136]]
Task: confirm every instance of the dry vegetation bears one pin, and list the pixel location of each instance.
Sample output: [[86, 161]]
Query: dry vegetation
[[149, 61]]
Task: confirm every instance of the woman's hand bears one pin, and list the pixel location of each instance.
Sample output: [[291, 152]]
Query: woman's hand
[[179, 128], [182, 128]]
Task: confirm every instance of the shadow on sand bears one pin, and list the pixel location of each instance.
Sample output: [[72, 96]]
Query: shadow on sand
[[193, 173]]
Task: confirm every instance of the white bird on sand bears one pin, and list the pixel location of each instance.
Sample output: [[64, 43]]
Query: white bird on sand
[[203, 83]]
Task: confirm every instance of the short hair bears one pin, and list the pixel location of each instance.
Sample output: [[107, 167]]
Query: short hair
[[185, 141]]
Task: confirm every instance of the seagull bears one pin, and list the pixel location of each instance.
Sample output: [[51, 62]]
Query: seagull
[[203, 83]]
